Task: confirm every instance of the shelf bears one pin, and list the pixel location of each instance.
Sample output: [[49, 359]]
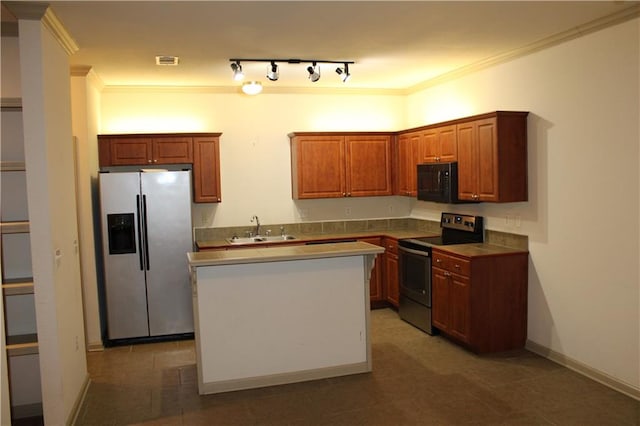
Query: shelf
[[11, 104], [17, 286], [12, 166], [22, 344], [17, 227]]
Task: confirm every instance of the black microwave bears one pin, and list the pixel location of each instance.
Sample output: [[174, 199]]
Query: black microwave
[[438, 182]]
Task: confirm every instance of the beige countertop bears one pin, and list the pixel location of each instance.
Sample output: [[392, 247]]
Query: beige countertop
[[258, 254], [467, 250], [304, 238], [478, 250]]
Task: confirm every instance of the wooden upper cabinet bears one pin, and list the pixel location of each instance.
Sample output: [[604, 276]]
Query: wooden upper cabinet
[[172, 150], [492, 158], [317, 166], [198, 149], [206, 170], [439, 144], [368, 166], [408, 156], [332, 165]]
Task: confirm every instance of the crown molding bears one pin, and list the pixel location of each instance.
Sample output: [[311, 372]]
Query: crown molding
[[266, 91], [51, 22], [579, 31]]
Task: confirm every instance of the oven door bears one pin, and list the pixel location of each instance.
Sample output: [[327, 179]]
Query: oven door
[[415, 274]]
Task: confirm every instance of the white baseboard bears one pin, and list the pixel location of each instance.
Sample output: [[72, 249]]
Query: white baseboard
[[585, 370], [75, 411]]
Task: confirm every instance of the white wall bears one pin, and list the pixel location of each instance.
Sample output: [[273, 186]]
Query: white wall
[[254, 149], [582, 217], [85, 92], [48, 142]]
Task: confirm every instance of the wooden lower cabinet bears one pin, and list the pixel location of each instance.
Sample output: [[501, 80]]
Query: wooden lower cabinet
[[391, 283], [376, 295], [481, 302]]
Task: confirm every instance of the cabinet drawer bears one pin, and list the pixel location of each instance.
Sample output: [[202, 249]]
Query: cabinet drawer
[[391, 245], [453, 264]]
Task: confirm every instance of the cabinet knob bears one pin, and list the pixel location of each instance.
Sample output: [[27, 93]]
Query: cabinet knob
[[148, 161], [456, 266], [438, 260]]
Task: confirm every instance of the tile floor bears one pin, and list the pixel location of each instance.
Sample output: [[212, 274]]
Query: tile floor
[[416, 380]]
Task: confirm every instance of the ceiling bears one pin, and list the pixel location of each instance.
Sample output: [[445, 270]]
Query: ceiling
[[396, 45]]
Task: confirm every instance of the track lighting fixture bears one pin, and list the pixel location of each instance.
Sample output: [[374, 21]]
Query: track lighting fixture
[[237, 71], [344, 73], [314, 73], [272, 71]]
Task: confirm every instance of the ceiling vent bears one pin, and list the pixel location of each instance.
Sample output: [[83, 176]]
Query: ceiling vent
[[167, 60]]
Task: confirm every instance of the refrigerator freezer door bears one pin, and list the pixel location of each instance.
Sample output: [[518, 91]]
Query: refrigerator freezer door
[[168, 216], [124, 278]]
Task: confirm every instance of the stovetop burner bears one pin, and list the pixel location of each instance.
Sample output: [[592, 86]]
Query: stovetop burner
[[456, 229]]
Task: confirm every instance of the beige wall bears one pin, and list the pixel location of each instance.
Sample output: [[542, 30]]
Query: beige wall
[[583, 170], [582, 217], [254, 149]]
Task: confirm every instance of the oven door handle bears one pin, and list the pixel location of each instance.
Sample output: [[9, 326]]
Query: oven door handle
[[416, 252]]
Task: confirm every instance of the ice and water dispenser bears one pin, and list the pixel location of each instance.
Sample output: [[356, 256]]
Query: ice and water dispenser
[[122, 233]]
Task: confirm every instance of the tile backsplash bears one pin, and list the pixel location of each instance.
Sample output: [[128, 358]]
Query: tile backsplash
[[355, 226]]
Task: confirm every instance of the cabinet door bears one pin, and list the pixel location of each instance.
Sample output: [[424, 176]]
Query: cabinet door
[[487, 159], [375, 282], [408, 159], [172, 150], [460, 303], [430, 148], [131, 151], [368, 166], [439, 145], [206, 170], [447, 144], [440, 299], [467, 163], [391, 278], [317, 168]]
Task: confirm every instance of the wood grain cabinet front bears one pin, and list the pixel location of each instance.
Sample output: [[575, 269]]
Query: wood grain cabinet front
[[201, 150], [481, 302], [335, 165], [492, 158]]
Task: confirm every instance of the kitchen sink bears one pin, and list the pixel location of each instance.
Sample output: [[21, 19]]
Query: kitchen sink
[[260, 239]]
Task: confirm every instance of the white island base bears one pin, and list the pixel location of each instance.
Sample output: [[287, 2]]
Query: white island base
[[280, 315]]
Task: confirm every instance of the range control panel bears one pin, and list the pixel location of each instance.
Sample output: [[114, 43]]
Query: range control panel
[[462, 222]]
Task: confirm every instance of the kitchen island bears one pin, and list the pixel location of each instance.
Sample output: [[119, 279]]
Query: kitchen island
[[275, 315]]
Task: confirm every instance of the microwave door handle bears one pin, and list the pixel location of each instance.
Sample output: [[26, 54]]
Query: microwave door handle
[[439, 178]]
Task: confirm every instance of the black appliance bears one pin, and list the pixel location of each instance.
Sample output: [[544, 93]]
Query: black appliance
[[438, 182], [415, 265]]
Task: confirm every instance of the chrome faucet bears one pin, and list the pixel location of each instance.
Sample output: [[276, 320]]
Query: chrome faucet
[[255, 218]]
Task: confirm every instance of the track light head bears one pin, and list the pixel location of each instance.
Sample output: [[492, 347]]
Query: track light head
[[272, 71], [314, 72], [344, 73], [237, 71]]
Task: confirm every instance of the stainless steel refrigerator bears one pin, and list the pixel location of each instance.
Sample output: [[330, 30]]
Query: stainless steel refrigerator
[[146, 233]]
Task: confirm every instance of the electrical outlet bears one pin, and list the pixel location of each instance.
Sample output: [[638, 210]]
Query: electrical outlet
[[347, 211], [304, 213], [517, 221], [390, 208]]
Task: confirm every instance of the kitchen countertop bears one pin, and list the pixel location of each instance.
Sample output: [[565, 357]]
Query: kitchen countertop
[[304, 238], [467, 250], [258, 254]]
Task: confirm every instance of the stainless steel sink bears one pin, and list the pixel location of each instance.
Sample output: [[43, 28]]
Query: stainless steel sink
[[260, 239]]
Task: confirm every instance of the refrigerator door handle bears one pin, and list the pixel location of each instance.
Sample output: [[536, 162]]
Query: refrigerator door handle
[[139, 233], [146, 234]]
